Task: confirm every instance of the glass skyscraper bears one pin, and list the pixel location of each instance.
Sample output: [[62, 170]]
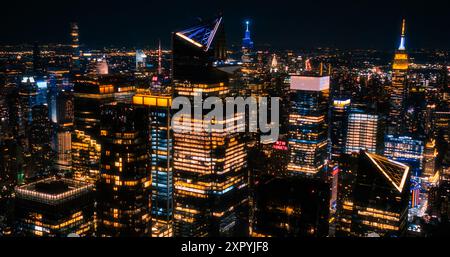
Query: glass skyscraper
[[308, 133], [209, 166], [161, 162]]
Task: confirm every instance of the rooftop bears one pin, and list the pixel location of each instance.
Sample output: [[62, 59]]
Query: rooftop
[[53, 190], [395, 172]]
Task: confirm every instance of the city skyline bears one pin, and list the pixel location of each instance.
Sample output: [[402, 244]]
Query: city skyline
[[210, 138], [306, 24]]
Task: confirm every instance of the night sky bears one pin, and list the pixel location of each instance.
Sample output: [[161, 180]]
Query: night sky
[[279, 23]]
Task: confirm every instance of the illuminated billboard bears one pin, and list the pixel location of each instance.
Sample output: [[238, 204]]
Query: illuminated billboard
[[309, 83]]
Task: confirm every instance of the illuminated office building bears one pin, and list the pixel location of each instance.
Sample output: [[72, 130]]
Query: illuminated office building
[[429, 159], [42, 92], [407, 151], [161, 153], [89, 96], [63, 162], [442, 201], [124, 186], [308, 129], [64, 119], [373, 197], [55, 207], [363, 132], [76, 53], [338, 127], [291, 207], [209, 166], [441, 124], [397, 89]]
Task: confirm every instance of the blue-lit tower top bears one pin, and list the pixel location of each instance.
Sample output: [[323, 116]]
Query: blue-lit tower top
[[402, 47], [247, 41]]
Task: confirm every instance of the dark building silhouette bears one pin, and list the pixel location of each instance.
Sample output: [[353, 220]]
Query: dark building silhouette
[[373, 196], [339, 111], [291, 207], [196, 49], [124, 186], [40, 141]]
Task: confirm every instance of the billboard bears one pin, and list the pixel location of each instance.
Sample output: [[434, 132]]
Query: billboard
[[309, 83]]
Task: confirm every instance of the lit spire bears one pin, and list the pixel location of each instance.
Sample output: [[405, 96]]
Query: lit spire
[[402, 38], [247, 41], [159, 58]]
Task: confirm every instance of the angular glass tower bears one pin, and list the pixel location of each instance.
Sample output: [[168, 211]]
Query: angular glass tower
[[374, 196], [209, 166]]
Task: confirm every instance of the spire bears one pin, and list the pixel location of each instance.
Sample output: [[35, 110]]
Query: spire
[[247, 41], [402, 38], [159, 58], [274, 62]]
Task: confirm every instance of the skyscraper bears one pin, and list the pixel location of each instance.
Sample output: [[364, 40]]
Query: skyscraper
[[339, 112], [40, 141], [291, 207], [140, 60], [89, 96], [161, 153], [196, 49], [55, 207], [308, 133], [28, 92], [407, 151], [429, 159], [75, 44], [363, 132], [247, 42], [397, 89], [124, 186], [209, 166], [373, 197], [64, 117]]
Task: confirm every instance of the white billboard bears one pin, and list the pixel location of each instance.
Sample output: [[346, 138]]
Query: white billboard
[[309, 83]]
